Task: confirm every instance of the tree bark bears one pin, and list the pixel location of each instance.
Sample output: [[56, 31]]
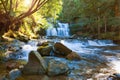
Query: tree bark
[[117, 8]]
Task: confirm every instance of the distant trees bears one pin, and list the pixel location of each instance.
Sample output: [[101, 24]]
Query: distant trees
[[97, 16]]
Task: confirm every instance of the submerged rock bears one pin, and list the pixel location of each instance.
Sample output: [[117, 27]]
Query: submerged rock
[[96, 58], [35, 65]]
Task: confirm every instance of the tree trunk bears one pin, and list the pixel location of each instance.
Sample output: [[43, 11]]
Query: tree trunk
[[98, 23], [116, 8], [105, 24]]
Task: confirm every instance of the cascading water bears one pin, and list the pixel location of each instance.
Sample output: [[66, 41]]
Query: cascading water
[[61, 31], [95, 50], [27, 48]]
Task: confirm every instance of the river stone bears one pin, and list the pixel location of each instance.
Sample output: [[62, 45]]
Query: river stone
[[115, 76], [44, 50], [73, 56], [12, 75], [35, 65], [56, 67], [13, 54], [15, 45], [61, 49], [10, 55], [11, 65]]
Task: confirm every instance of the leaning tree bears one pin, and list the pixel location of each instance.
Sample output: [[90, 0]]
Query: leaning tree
[[12, 12]]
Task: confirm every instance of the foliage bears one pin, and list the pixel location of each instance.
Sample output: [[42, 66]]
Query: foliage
[[51, 9], [97, 16], [27, 18]]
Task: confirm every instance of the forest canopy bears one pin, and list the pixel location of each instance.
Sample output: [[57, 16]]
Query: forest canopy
[[28, 17]]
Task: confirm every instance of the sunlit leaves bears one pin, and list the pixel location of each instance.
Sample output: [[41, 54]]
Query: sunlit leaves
[[51, 9]]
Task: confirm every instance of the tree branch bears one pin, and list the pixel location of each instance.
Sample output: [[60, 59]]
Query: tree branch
[[31, 10], [5, 8], [10, 6]]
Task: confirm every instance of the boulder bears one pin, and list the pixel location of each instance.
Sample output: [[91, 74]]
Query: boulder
[[45, 50], [35, 65], [60, 49], [12, 75], [73, 56], [56, 67]]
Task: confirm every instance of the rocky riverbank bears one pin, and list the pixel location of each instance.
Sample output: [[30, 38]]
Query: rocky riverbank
[[52, 61]]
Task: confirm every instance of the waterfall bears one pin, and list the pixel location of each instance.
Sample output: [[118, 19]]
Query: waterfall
[[61, 31]]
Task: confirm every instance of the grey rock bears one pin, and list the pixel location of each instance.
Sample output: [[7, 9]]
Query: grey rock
[[56, 67], [61, 49], [35, 65], [12, 75]]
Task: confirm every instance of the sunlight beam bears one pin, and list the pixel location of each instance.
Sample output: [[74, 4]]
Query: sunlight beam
[[27, 2]]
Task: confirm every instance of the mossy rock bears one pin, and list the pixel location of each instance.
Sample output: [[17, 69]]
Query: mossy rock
[[45, 50], [61, 49]]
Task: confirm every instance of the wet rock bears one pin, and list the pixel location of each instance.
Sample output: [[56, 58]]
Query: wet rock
[[78, 68], [62, 50], [94, 57], [45, 50], [45, 44], [100, 76], [78, 77], [10, 55], [73, 56], [11, 65], [16, 45], [56, 67], [35, 65], [115, 76], [12, 75], [23, 38], [13, 54]]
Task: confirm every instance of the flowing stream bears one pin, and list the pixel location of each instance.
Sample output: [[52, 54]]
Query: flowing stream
[[97, 51], [106, 48]]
